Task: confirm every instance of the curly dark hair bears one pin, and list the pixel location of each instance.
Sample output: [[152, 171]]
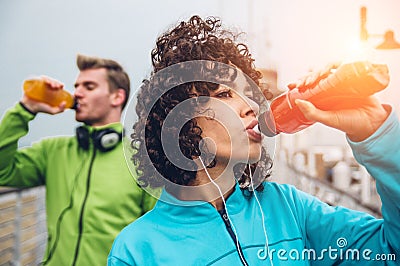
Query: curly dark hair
[[195, 39]]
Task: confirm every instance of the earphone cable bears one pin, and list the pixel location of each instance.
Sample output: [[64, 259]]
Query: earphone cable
[[226, 209], [266, 249]]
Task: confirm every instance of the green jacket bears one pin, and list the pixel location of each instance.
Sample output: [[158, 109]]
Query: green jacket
[[90, 195]]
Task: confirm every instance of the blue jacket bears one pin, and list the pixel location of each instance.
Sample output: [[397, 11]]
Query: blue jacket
[[301, 229]]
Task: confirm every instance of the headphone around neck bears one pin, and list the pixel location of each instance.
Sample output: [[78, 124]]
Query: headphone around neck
[[103, 139]]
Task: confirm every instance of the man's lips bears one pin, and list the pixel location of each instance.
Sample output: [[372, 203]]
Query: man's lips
[[78, 106]]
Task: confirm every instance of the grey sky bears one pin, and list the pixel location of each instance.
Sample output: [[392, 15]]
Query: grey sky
[[43, 37]]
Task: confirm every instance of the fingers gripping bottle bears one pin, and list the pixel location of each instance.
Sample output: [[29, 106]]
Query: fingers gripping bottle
[[342, 89], [38, 90]]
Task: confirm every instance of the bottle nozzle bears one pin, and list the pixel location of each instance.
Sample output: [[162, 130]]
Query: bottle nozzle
[[266, 124], [256, 129], [74, 105]]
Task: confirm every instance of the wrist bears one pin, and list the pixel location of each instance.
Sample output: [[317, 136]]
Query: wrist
[[373, 124], [27, 108]]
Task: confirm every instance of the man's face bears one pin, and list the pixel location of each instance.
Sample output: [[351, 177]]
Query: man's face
[[94, 98]]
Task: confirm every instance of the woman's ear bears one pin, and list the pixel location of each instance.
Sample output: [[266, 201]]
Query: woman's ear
[[118, 97]]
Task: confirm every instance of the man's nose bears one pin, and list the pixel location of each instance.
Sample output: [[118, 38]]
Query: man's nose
[[78, 92]]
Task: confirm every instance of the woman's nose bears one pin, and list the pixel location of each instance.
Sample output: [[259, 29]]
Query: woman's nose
[[250, 107]]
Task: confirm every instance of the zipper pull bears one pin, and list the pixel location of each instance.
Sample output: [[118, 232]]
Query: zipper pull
[[226, 219]]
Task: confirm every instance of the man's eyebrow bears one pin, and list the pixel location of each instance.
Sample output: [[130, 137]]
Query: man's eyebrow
[[85, 83]]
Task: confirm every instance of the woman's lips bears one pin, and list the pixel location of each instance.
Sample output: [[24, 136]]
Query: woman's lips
[[254, 133]]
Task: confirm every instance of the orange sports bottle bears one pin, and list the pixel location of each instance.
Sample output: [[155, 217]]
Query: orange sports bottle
[[344, 88], [38, 90]]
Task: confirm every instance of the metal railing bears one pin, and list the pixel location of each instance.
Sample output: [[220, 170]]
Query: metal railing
[[332, 195], [365, 199], [23, 233]]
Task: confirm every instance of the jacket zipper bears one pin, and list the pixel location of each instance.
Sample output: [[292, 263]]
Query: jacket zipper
[[228, 226], [83, 208]]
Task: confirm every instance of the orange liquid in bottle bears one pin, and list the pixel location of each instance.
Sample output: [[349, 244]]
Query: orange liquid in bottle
[[344, 89], [38, 90]]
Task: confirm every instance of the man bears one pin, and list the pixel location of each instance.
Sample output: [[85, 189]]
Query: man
[[90, 193]]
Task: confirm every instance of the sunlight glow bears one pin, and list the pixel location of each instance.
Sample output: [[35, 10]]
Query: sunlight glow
[[358, 50]]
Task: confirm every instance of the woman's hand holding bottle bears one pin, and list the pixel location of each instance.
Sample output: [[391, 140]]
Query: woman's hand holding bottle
[[359, 119]]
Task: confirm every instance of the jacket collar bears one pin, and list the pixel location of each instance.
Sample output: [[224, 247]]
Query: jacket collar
[[117, 126], [181, 211]]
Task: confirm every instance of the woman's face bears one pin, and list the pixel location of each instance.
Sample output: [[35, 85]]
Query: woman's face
[[227, 121]]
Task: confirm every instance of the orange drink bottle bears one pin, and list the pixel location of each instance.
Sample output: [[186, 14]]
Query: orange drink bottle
[[345, 88], [38, 90]]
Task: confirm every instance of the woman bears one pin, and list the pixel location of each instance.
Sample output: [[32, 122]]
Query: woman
[[197, 138]]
